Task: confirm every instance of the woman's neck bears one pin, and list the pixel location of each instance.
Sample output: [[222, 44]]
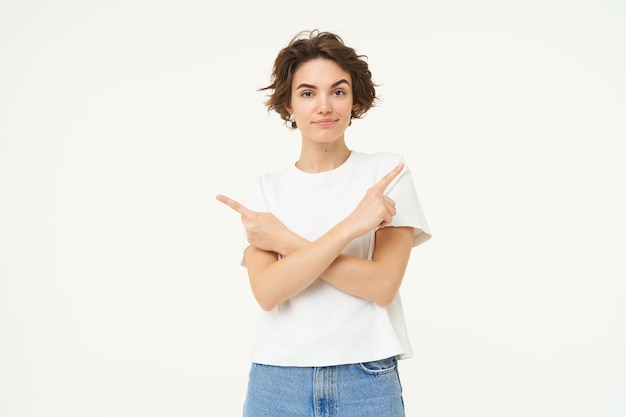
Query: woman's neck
[[322, 157]]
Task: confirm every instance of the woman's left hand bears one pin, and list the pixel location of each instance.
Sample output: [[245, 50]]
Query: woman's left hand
[[263, 230]]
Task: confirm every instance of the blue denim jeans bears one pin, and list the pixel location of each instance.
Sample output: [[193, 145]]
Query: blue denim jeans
[[370, 389]]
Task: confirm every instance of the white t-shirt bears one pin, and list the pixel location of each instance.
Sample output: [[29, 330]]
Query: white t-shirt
[[324, 326]]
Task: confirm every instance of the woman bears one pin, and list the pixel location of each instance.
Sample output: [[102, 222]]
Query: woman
[[329, 241]]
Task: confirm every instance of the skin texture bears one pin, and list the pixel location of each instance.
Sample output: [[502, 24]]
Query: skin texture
[[322, 102]]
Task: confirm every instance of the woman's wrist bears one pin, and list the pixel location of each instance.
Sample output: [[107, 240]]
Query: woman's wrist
[[292, 243]]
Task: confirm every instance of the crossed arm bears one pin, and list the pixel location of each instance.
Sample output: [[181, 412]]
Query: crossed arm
[[274, 281]]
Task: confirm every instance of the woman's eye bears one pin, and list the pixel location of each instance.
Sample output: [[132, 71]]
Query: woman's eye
[[306, 94], [339, 92]]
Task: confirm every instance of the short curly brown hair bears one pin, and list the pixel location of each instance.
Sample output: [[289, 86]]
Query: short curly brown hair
[[308, 45]]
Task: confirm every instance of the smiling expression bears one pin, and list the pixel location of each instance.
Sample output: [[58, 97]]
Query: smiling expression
[[321, 100]]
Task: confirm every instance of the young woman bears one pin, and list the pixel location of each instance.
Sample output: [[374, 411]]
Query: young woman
[[329, 240]]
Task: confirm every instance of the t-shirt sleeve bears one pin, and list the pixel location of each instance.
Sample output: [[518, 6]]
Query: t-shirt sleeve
[[409, 211]]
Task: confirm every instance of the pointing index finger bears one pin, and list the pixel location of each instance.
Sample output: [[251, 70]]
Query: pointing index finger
[[387, 179], [235, 205]]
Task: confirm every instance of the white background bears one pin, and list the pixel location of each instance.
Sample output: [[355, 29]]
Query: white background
[[121, 292]]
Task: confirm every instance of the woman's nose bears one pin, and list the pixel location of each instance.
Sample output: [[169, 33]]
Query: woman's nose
[[324, 105]]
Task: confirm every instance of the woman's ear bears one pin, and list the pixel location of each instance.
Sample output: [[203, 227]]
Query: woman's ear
[[288, 108]]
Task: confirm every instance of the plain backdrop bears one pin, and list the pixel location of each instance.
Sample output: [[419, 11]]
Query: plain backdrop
[[121, 292]]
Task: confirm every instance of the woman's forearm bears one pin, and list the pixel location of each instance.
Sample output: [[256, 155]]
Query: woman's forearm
[[377, 280], [274, 281]]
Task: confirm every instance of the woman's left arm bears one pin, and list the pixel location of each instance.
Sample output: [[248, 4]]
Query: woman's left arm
[[377, 280]]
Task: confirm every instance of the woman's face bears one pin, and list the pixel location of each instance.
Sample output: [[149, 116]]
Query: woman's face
[[321, 100]]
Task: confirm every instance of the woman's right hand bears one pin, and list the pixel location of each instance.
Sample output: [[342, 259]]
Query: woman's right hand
[[376, 209]]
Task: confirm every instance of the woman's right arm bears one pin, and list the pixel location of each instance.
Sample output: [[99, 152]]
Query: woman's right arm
[[274, 281]]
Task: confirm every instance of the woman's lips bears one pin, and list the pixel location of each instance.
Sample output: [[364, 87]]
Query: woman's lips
[[325, 122]]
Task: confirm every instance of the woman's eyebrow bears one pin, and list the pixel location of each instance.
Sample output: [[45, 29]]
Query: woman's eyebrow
[[312, 87], [343, 80]]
